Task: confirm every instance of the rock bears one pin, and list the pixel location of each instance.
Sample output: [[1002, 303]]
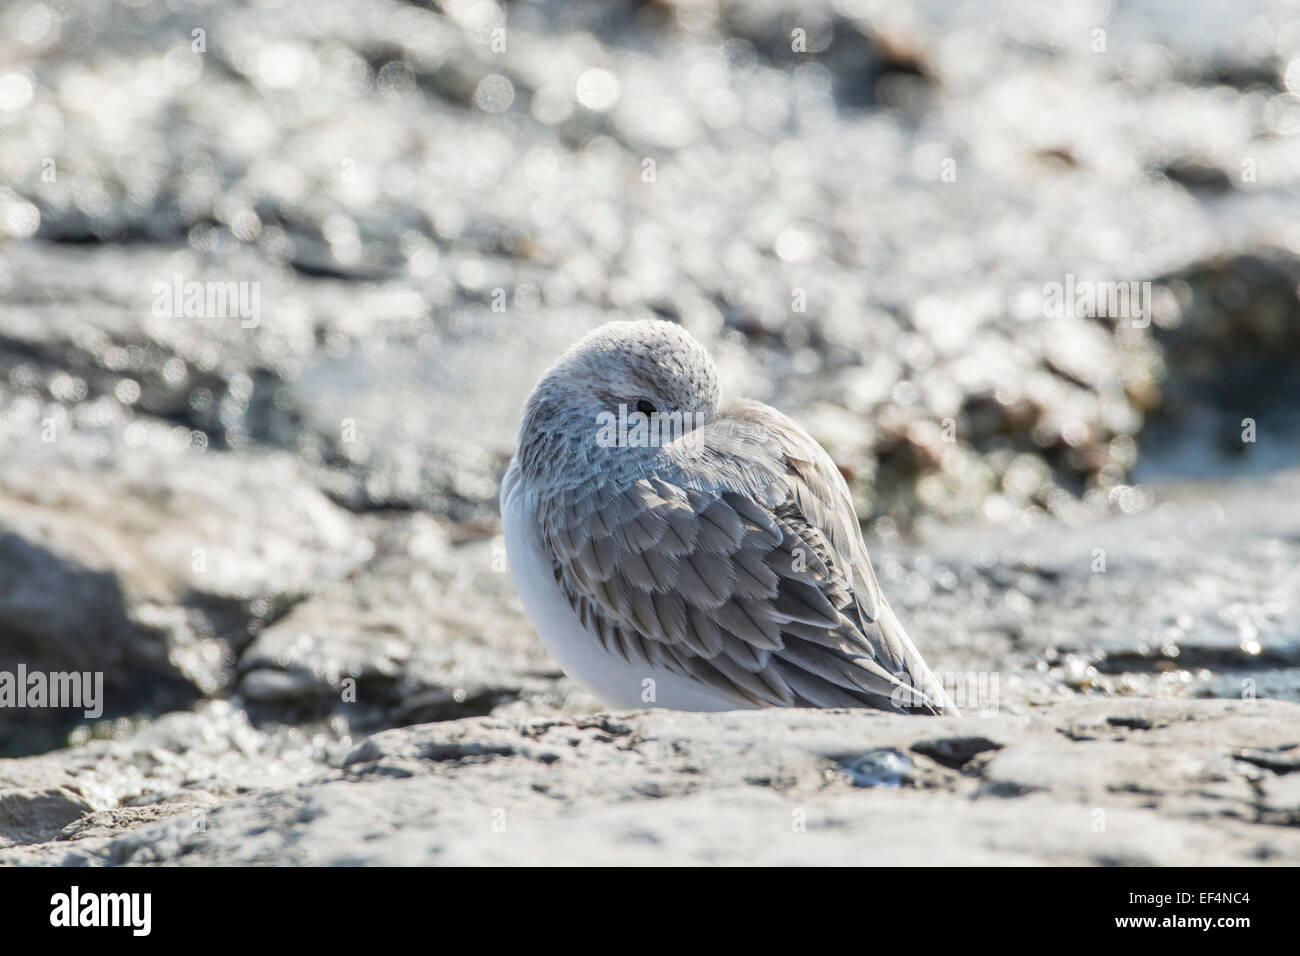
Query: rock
[[151, 769], [430, 629], [155, 571], [1195, 595], [763, 787], [29, 816], [879, 302], [1280, 801]]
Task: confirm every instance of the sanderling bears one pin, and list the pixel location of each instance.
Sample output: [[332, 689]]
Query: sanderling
[[676, 552]]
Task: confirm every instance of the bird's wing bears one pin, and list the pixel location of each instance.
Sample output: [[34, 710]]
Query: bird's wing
[[736, 558]]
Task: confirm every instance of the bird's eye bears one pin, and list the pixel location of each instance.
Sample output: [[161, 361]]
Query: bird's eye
[[645, 407]]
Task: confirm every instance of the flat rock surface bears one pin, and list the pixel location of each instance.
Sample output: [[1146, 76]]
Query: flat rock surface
[[1079, 782]]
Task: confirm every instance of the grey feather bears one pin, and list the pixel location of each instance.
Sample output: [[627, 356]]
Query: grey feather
[[736, 558]]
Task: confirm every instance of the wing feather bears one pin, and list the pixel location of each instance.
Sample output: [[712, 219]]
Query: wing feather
[[735, 558]]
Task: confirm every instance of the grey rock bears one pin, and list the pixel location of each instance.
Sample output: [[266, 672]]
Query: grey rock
[[429, 629], [151, 769], [31, 816], [394, 281], [767, 787], [155, 570], [1196, 595]]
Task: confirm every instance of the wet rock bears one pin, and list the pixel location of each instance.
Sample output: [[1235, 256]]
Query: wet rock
[[880, 768], [155, 572], [1191, 596], [146, 770], [1231, 346], [397, 277], [430, 629]]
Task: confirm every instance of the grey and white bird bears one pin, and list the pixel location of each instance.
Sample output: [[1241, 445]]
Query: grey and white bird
[[673, 551]]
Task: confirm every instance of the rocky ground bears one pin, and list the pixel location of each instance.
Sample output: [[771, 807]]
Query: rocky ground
[[1110, 782], [278, 539], [1088, 736]]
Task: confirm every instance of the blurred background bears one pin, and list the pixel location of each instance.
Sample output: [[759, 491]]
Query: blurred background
[[395, 215]]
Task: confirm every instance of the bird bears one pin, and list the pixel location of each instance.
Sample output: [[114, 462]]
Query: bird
[[674, 551]]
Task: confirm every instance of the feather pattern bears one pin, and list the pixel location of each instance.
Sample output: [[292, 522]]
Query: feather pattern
[[732, 556]]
